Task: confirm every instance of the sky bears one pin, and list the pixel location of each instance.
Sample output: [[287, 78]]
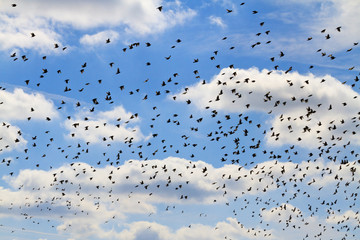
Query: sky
[[216, 119]]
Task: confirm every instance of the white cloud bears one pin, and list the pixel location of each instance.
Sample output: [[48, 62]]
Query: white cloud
[[245, 90], [99, 38], [118, 112], [18, 105], [295, 223], [21, 106], [348, 217], [10, 138], [114, 125], [48, 19], [312, 16], [200, 188], [217, 21], [15, 32], [342, 13], [230, 229], [75, 195], [151, 230]]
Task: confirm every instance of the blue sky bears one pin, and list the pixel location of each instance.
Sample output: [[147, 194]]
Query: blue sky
[[205, 120]]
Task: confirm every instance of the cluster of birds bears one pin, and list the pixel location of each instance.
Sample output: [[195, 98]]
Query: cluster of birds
[[235, 138]]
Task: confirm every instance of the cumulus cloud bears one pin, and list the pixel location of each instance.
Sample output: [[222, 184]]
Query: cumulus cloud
[[47, 19], [348, 217], [114, 125], [230, 228], [303, 109], [10, 138], [141, 230], [19, 105], [202, 182], [296, 223], [15, 32], [75, 194]]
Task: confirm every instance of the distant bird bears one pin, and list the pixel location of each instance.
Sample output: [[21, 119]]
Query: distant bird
[[159, 8]]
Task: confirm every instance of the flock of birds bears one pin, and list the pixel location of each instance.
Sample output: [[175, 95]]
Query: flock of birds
[[244, 180]]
